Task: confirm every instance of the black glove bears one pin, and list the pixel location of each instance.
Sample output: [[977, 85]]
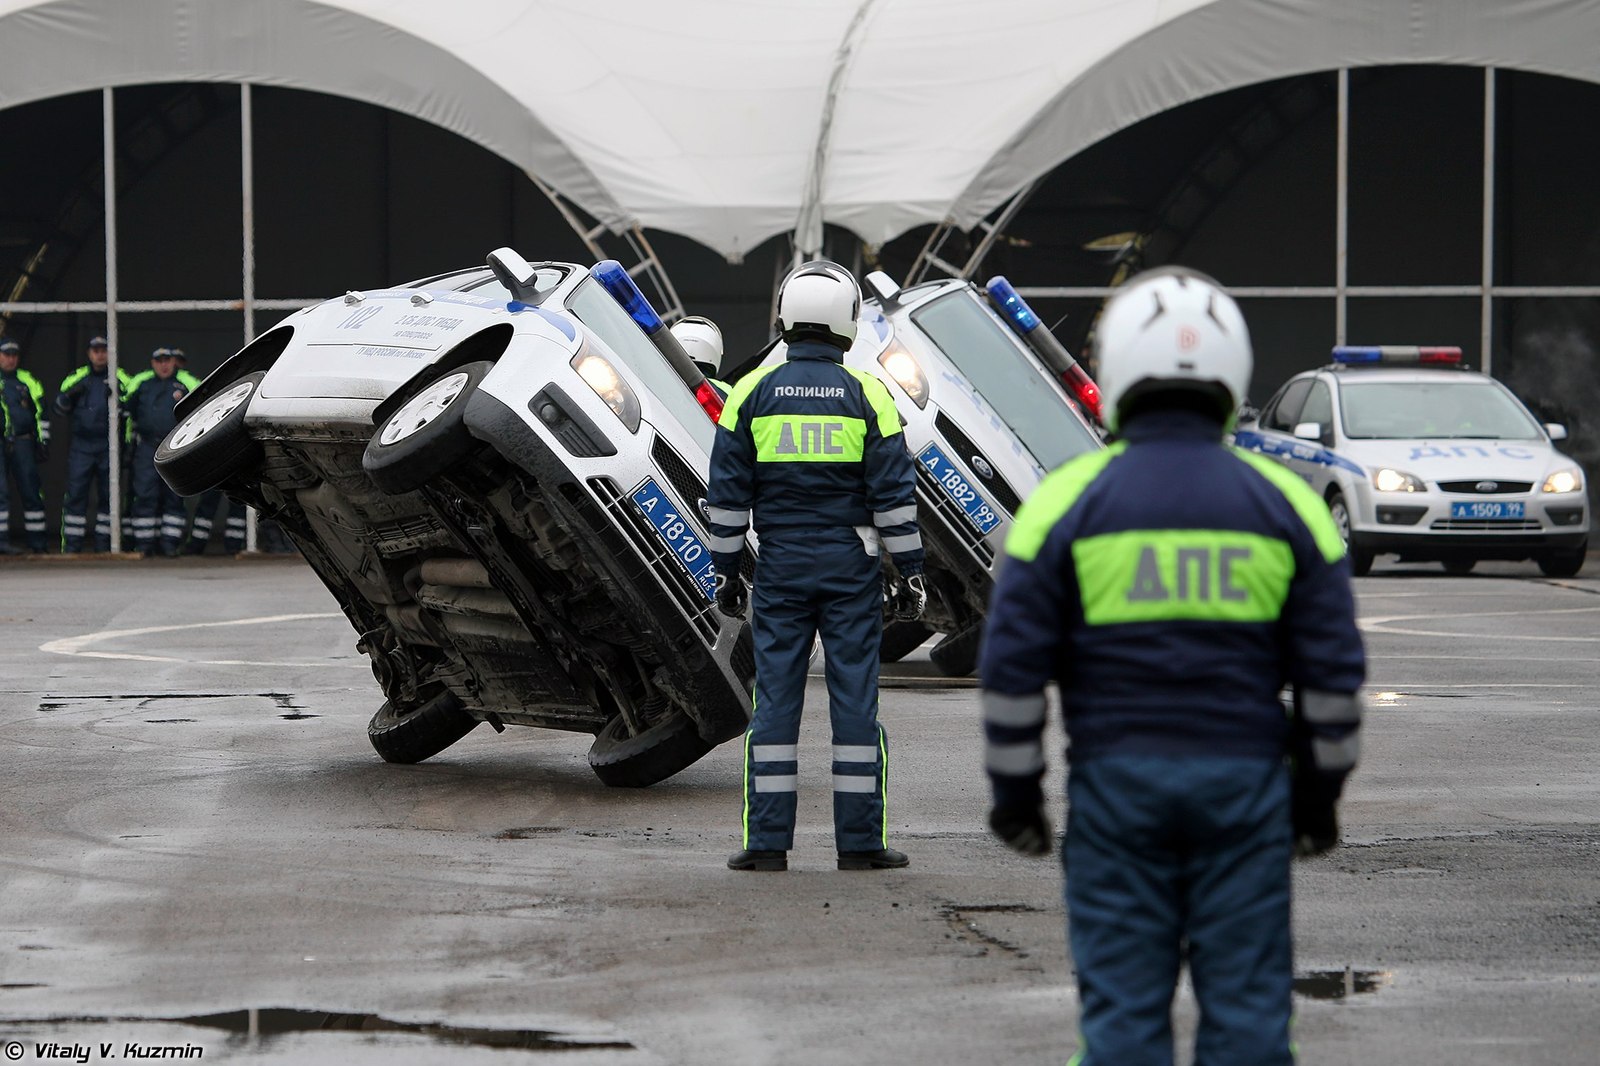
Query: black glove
[[1315, 815], [732, 596], [905, 600], [1023, 829]]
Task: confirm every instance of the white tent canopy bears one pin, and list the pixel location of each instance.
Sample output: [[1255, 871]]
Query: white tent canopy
[[730, 121]]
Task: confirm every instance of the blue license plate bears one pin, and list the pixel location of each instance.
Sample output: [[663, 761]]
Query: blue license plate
[[959, 488], [673, 528], [1487, 509]]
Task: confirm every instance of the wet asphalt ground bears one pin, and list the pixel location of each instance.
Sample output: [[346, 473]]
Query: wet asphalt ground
[[193, 826]]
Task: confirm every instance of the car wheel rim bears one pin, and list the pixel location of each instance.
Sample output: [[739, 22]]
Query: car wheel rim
[[1341, 518], [211, 415], [423, 409]]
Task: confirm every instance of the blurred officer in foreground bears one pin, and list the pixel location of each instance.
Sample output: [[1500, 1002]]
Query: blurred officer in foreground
[[150, 399], [702, 339], [813, 449], [25, 436], [85, 399], [1172, 586]]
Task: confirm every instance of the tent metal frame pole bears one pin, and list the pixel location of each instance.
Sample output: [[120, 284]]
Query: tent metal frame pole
[[1341, 239], [1486, 326], [247, 195], [112, 506]]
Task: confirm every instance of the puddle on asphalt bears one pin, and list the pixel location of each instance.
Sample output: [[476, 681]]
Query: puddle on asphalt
[[283, 701], [1341, 984], [271, 1022], [525, 832]]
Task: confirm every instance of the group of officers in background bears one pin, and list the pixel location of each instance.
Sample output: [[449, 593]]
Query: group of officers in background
[[156, 522]]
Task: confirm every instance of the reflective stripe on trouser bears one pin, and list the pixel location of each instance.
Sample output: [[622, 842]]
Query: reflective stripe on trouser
[[234, 528], [86, 466], [157, 510], [1164, 851], [19, 472], [811, 581]]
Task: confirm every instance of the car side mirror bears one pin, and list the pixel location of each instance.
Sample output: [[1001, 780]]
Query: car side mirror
[[1308, 431], [1556, 430], [514, 272]]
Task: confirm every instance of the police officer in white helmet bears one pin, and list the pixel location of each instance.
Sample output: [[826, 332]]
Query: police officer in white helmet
[[702, 339], [1172, 587]]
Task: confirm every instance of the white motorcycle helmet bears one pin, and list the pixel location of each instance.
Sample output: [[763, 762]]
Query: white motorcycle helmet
[[819, 300], [1172, 329], [702, 339]]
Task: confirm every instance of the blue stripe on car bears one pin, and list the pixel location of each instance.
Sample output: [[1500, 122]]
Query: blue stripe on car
[[1305, 451]]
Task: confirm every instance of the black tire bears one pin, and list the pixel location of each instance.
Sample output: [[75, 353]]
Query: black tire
[[419, 442], [957, 654], [420, 733], [1562, 563], [901, 639], [624, 761], [212, 444], [1459, 567], [1360, 558]]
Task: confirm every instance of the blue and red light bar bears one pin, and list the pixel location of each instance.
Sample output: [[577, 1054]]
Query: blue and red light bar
[[614, 278], [1012, 307], [1396, 355]]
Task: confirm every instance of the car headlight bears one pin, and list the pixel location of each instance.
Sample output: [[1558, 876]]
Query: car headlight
[[607, 384], [1386, 480], [906, 373], [1568, 480]]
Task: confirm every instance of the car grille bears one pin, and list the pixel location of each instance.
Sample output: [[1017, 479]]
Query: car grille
[[1498, 524], [1471, 487], [692, 491], [654, 550], [965, 449], [936, 500]]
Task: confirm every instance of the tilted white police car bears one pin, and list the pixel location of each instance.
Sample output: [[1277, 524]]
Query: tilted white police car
[[1420, 457], [990, 403], [499, 474]]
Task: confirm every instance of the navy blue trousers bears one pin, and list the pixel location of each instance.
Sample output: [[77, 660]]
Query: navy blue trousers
[[19, 468], [235, 531], [87, 464], [811, 581], [1171, 860], [159, 513]]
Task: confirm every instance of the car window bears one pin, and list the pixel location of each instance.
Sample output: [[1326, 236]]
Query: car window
[[1463, 408], [1004, 375], [596, 309], [1282, 412], [1318, 408]]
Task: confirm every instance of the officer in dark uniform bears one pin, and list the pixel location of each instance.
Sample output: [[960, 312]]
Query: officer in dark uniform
[[85, 399], [813, 450], [205, 512], [25, 435], [1172, 586], [158, 512]]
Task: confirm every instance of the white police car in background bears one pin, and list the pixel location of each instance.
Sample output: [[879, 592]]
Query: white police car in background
[[1420, 457], [499, 474], [983, 393]]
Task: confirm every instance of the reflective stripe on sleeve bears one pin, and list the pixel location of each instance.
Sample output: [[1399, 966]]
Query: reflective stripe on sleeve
[[774, 752], [775, 782], [727, 545], [1014, 711], [1014, 760], [854, 783], [1330, 708], [724, 516], [1336, 754], [867, 753], [895, 516], [908, 543]]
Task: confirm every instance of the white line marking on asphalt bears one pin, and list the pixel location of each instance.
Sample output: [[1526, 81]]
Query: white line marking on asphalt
[[1383, 625], [78, 645]]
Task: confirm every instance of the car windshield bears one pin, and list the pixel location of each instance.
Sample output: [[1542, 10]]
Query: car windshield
[[1456, 409], [544, 280], [1006, 377], [597, 310]]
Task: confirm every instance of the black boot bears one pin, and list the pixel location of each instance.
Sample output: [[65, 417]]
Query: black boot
[[882, 859], [758, 860]]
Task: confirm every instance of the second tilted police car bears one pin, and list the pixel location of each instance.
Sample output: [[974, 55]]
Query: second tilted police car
[[1420, 457]]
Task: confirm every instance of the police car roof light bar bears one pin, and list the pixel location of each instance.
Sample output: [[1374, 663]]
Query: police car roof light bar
[[613, 277], [1396, 354]]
